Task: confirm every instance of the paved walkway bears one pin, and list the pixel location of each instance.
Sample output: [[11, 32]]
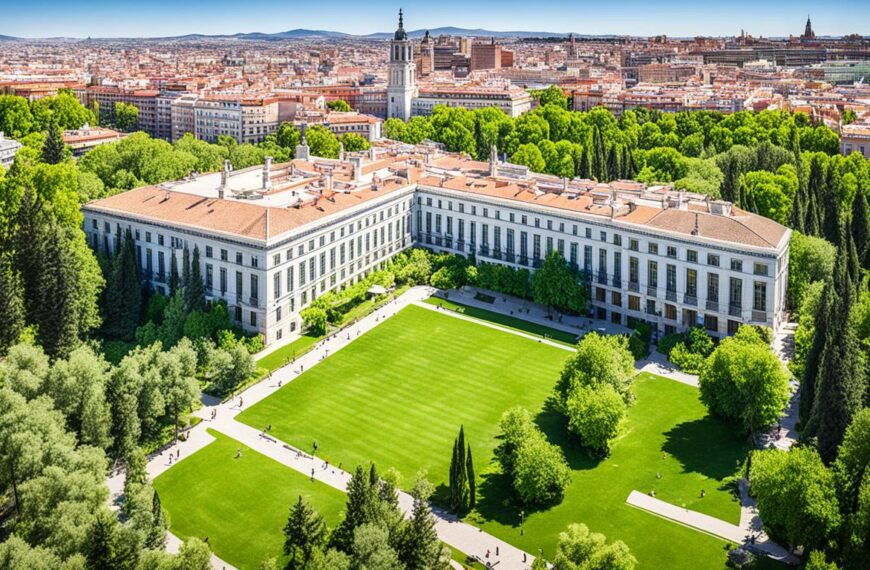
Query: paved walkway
[[748, 532], [464, 537]]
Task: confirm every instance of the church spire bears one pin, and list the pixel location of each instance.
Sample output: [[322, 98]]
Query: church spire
[[400, 32]]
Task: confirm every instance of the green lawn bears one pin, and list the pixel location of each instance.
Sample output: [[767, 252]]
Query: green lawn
[[279, 357], [506, 321], [397, 395], [241, 505], [667, 432]]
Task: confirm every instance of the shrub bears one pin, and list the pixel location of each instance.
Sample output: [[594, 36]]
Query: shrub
[[667, 343], [315, 319], [594, 413], [600, 359], [686, 360]]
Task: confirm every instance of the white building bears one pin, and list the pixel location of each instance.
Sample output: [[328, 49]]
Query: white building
[[401, 84], [8, 149], [273, 238], [514, 101]]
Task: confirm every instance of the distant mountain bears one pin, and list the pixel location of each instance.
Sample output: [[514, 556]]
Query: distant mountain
[[7, 38], [453, 31]]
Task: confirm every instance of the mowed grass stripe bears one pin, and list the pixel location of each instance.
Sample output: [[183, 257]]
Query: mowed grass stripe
[[398, 394], [242, 504]]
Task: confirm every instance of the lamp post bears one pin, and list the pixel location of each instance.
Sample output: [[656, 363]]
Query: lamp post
[[522, 522]]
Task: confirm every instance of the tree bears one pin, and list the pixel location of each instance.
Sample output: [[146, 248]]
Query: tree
[[796, 496], [315, 319], [196, 288], [459, 486], [600, 359], [304, 532], [580, 549], [472, 482], [529, 155], [555, 284], [811, 259], [420, 548], [174, 281], [194, 554], [54, 149], [743, 381], [541, 473], [102, 546], [552, 95], [353, 142], [322, 141], [372, 549], [126, 117], [861, 226], [177, 369], [841, 381], [595, 413], [123, 299], [338, 105], [16, 120], [11, 304]]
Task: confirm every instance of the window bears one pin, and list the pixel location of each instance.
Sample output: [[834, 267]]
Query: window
[[712, 260], [602, 236], [711, 323], [208, 251], [276, 285], [736, 265], [253, 318], [735, 292], [633, 303], [670, 312], [588, 233], [760, 269], [633, 245], [712, 288], [653, 248], [692, 256], [759, 296], [672, 251], [239, 259]]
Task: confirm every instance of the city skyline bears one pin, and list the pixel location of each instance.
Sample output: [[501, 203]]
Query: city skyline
[[100, 18]]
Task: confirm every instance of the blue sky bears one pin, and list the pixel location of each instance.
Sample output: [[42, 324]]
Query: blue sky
[[113, 18]]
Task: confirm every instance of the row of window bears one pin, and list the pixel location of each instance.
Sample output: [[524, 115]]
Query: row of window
[[633, 243]]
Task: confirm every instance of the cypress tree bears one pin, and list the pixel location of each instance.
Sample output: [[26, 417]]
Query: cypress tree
[[196, 294], [57, 315], [840, 389], [185, 275], [613, 162], [53, 148], [861, 226], [459, 490], [420, 548], [472, 484], [101, 550], [29, 247], [11, 304], [624, 166], [811, 366], [157, 533], [853, 263], [599, 156], [124, 295], [585, 168], [173, 275], [798, 211], [812, 226]]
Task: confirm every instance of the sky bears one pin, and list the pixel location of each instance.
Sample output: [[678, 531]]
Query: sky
[[150, 18]]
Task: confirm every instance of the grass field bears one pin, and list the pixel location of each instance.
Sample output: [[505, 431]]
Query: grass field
[[397, 395], [241, 505], [506, 321]]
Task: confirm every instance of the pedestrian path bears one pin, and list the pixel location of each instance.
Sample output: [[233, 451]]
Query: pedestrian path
[[221, 417], [748, 532]]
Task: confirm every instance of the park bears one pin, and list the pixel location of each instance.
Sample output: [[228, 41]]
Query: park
[[396, 396]]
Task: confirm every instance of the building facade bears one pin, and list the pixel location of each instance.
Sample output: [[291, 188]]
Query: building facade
[[401, 85], [273, 238]]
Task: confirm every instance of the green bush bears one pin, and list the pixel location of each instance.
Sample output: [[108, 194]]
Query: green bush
[[638, 346], [667, 343], [315, 319], [686, 360]]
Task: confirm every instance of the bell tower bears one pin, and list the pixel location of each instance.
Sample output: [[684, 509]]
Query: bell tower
[[401, 85]]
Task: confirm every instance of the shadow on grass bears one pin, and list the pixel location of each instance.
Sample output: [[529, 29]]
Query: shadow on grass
[[708, 446], [555, 426]]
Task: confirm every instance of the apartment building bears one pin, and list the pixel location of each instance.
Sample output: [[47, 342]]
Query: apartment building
[[247, 120], [82, 140], [8, 150], [485, 55], [511, 99], [855, 138], [106, 97], [273, 238]]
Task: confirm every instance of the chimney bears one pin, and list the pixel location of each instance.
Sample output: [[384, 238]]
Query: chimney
[[356, 162], [327, 179], [225, 178], [493, 161], [267, 173], [341, 151], [372, 154]]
